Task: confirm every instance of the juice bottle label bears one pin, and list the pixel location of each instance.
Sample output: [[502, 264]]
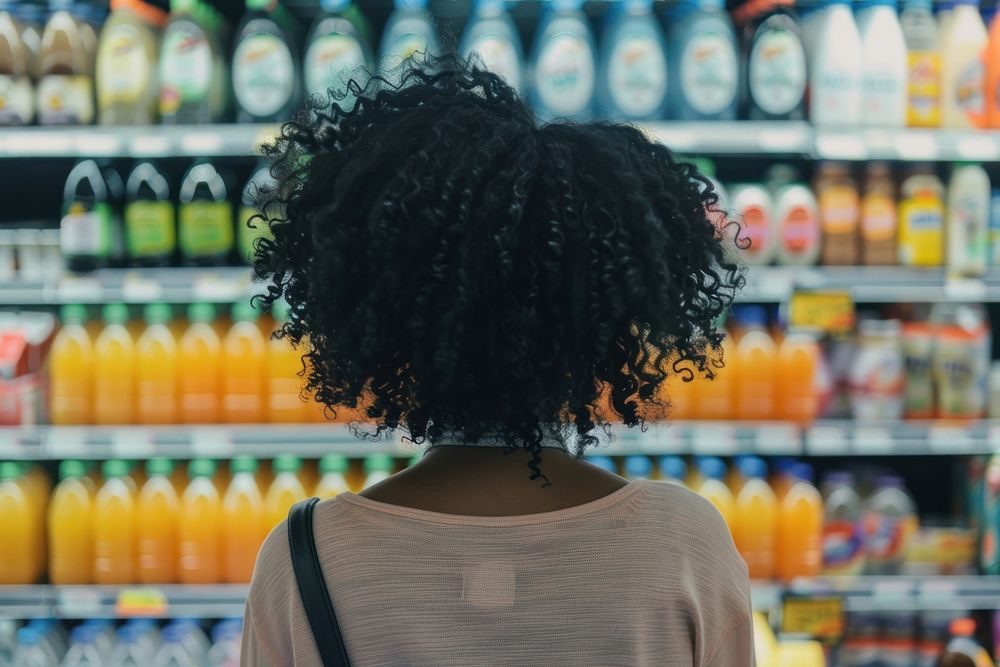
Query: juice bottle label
[[247, 234], [499, 56], [16, 100], [839, 209], [886, 536], [149, 228], [86, 231], [878, 217], [65, 99], [924, 89], [123, 66], [777, 71], [921, 238], [842, 547], [565, 74], [330, 61], [709, 73], [756, 228], [637, 76], [206, 228], [263, 74], [185, 67], [969, 91], [798, 229]]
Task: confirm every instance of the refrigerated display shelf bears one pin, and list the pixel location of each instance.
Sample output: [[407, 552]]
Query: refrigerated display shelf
[[825, 438]]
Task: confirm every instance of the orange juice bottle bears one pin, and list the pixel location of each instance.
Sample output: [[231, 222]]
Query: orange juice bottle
[[285, 490], [157, 529], [71, 526], [799, 543], [200, 368], [756, 519], [681, 396], [201, 524], [114, 369], [716, 396], [115, 522], [798, 358], [285, 404], [19, 555], [39, 489], [244, 353], [332, 483], [244, 522], [755, 372], [156, 368], [71, 370], [713, 488]]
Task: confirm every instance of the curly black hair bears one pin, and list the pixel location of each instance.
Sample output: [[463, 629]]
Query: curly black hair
[[457, 269]]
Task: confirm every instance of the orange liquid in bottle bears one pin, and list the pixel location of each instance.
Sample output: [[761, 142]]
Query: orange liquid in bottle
[[159, 509], [71, 527], [200, 380]]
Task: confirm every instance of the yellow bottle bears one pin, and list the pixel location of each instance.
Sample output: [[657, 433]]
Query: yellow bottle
[[333, 482], [157, 365], [71, 370], [921, 219], [115, 520], [201, 523], [244, 523], [200, 376], [713, 488], [159, 511], [284, 383], [71, 526], [244, 368], [285, 490], [114, 369], [19, 555]]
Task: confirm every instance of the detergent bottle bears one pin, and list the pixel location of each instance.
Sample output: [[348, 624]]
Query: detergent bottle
[[157, 529], [200, 368], [266, 70], [71, 369], [200, 540], [157, 363], [563, 67], [244, 522], [285, 490], [337, 47], [633, 69], [71, 526], [244, 368], [114, 369], [704, 62], [843, 541], [115, 526], [755, 519], [491, 36]]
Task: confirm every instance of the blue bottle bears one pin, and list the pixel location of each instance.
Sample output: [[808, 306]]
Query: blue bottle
[[633, 73], [491, 38], [409, 33], [563, 65], [704, 63]]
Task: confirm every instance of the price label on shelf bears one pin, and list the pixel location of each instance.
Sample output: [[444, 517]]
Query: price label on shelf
[[136, 289], [132, 443], [212, 443], [76, 289], [65, 442], [11, 446], [717, 439], [201, 143], [141, 602], [78, 602], [819, 617], [950, 440], [977, 147], [777, 439], [832, 312], [827, 440]]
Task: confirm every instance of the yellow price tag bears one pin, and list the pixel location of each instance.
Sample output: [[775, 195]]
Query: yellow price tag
[[141, 602], [832, 312], [820, 617]]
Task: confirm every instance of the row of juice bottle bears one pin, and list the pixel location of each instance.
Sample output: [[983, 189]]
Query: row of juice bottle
[[139, 641], [145, 220], [161, 370], [783, 526], [166, 523], [878, 219]]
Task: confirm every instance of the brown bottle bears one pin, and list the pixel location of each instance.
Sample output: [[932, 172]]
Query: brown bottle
[[65, 94], [16, 94], [879, 217], [839, 214]]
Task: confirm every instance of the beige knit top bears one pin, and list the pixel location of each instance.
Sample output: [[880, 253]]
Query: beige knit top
[[645, 576]]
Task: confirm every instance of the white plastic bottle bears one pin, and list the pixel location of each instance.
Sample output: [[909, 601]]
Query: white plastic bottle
[[836, 67], [752, 207], [492, 37], [633, 71], [797, 230], [963, 73], [563, 64], [884, 86], [968, 221]]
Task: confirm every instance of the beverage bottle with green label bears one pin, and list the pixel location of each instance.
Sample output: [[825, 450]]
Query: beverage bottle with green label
[[126, 63], [90, 230], [150, 227], [339, 44], [205, 216], [266, 70], [194, 74], [64, 95], [257, 193]]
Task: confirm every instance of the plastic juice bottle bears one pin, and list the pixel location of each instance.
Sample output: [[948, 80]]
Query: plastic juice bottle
[[244, 522], [775, 74], [17, 95], [734, 475], [756, 370], [921, 218], [114, 369], [836, 68], [202, 520], [755, 519], [127, 91], [843, 551], [244, 368], [672, 469], [799, 544], [884, 86], [491, 36], [333, 483], [200, 364], [410, 33], [284, 384], [150, 224], [879, 218], [256, 193], [704, 62], [716, 396], [991, 58], [285, 490], [839, 212], [963, 75], [194, 79], [889, 521], [266, 70], [563, 67], [115, 526], [920, 29], [963, 649], [752, 205], [205, 216], [157, 527], [338, 46], [781, 476], [377, 468], [968, 220], [636, 467], [680, 396], [64, 95], [89, 232], [71, 527], [961, 360], [713, 488], [71, 369], [798, 359], [157, 363], [797, 227], [19, 555], [633, 69]]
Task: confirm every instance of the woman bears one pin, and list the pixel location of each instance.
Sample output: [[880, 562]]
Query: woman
[[498, 290]]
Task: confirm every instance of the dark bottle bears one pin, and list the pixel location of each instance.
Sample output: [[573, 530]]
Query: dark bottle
[[267, 81], [205, 216], [90, 229], [150, 223], [774, 65]]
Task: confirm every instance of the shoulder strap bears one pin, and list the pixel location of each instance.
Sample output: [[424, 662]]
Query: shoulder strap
[[312, 585]]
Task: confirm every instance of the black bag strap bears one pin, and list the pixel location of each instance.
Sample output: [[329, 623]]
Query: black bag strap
[[312, 585]]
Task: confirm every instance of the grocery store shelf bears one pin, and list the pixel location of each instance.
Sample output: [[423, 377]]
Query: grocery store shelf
[[890, 593], [906, 145], [734, 137]]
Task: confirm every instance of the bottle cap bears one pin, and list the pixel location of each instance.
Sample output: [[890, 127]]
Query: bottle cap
[[803, 472], [750, 316], [287, 463], [115, 313], [638, 466], [603, 462], [244, 311], [201, 468], [159, 466], [83, 634], [712, 467], [838, 477], [244, 464], [378, 463], [113, 468], [9, 470], [201, 312], [673, 467], [28, 636], [72, 468], [333, 463], [73, 313], [753, 467], [157, 313], [281, 310], [334, 6], [962, 627]]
